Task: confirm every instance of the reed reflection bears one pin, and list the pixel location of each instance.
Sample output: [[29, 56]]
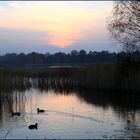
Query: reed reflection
[[16, 97]]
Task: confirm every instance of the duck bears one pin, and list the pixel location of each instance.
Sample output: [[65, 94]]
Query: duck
[[40, 110], [128, 121], [33, 126], [15, 113]]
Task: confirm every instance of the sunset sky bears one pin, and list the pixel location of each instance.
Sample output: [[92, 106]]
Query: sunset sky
[[46, 26]]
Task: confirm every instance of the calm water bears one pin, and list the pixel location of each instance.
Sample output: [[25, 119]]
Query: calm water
[[67, 115]]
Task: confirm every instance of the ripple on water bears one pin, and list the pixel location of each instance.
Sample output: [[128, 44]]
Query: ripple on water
[[86, 121]]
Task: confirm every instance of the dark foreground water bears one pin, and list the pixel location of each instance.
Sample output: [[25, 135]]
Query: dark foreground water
[[67, 116]]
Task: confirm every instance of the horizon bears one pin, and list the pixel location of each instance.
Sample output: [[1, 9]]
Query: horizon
[[44, 53], [56, 26]]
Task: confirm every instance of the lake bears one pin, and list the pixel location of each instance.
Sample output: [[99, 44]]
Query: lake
[[68, 115]]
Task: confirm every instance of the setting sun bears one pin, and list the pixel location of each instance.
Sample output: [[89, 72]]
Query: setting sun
[[64, 24]]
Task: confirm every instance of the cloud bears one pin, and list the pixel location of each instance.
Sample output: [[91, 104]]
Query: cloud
[[62, 24]]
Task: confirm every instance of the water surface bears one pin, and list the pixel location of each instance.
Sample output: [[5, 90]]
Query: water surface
[[68, 115]]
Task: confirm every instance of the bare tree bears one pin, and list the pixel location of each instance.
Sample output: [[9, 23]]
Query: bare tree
[[124, 24]]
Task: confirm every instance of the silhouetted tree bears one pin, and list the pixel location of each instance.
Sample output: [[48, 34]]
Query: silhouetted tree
[[74, 53], [124, 24], [82, 52], [82, 56]]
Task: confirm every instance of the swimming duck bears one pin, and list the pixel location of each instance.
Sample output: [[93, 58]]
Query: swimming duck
[[33, 126], [128, 121], [15, 113], [40, 110]]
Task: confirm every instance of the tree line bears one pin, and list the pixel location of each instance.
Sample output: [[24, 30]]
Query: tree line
[[57, 58], [75, 57]]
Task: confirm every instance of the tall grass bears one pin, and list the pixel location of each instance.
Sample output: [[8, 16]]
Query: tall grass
[[97, 76]]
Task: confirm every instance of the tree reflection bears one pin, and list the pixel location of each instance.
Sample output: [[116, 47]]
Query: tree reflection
[[13, 97]]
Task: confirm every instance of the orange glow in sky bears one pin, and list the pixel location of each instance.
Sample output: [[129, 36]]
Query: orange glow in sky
[[60, 42], [64, 24]]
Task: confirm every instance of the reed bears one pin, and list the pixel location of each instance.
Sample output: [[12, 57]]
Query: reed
[[96, 76]]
